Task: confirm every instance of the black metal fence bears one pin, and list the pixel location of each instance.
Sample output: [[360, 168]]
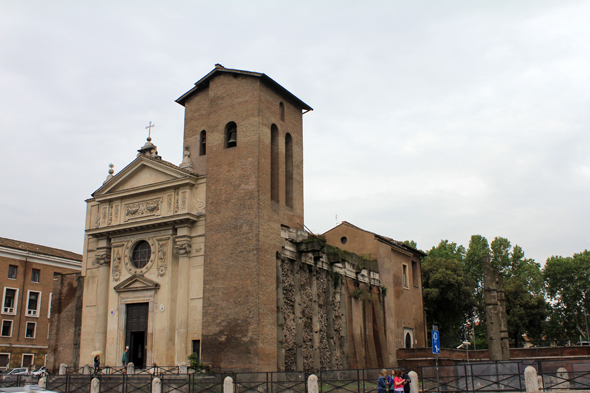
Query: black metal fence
[[505, 376]]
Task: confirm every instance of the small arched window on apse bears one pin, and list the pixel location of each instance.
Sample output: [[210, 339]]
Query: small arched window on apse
[[288, 170], [203, 143], [274, 163], [231, 135], [282, 111]]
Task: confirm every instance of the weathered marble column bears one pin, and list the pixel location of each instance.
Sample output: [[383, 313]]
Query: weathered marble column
[[102, 259], [182, 248]]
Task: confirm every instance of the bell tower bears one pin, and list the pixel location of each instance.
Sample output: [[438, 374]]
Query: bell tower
[[245, 134]]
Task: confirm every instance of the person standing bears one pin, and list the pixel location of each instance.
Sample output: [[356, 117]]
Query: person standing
[[390, 381], [407, 381], [96, 364], [381, 384], [398, 383], [125, 358]]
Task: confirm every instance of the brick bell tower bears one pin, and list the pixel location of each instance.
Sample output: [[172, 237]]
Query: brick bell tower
[[245, 134]]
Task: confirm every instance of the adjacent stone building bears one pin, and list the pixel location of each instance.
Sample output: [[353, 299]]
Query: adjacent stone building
[[27, 273], [401, 276], [210, 256]]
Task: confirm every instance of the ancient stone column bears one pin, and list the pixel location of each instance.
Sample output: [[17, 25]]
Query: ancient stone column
[[182, 248], [491, 286], [102, 259]]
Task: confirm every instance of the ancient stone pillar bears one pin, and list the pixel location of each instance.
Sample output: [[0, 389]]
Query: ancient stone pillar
[[62, 369], [130, 368], [491, 287], [102, 258], [182, 248]]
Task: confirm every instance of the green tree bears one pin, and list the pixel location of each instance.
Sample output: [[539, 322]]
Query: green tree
[[447, 289], [478, 248], [568, 287], [526, 312]]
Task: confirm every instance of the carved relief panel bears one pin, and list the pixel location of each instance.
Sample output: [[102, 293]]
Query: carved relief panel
[[146, 208]]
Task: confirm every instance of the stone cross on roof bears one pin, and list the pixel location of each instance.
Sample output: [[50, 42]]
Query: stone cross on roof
[[149, 128]]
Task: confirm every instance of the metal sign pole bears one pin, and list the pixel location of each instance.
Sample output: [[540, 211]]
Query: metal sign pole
[[436, 352]]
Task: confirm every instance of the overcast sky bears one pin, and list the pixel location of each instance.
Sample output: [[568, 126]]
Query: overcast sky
[[432, 119]]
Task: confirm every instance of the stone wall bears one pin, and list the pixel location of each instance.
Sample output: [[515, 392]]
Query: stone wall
[[330, 307]]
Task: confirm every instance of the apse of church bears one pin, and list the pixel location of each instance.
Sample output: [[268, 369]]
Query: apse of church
[[143, 263]]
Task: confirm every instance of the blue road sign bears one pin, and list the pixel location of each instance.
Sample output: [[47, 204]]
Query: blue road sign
[[435, 343]]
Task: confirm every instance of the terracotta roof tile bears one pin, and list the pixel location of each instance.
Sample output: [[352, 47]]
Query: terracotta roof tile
[[38, 249]]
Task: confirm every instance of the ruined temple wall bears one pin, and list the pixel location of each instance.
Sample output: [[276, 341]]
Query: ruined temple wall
[[330, 314]]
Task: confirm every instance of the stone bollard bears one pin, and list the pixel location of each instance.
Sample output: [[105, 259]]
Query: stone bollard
[[530, 377], [562, 379], [540, 382], [312, 384], [182, 368], [414, 387], [86, 370], [43, 382], [228, 385], [63, 369], [130, 368], [95, 386], [156, 385]]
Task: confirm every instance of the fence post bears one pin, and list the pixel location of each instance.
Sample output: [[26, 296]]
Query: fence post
[[156, 385], [414, 385], [312, 384], [228, 385], [62, 369], [95, 386], [130, 368], [43, 382], [530, 378], [563, 378], [182, 368], [86, 370]]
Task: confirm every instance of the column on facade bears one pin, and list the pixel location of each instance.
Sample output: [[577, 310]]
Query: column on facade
[[102, 258], [182, 248]]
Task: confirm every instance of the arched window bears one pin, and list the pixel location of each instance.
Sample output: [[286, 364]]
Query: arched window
[[288, 170], [203, 143], [408, 341], [282, 111], [274, 163], [231, 135]]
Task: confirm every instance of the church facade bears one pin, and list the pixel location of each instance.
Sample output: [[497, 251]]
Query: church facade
[[210, 256]]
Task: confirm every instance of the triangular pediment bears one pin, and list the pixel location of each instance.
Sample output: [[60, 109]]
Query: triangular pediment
[[137, 283], [143, 172]]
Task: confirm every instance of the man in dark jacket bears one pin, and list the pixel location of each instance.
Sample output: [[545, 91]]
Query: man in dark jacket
[[407, 380]]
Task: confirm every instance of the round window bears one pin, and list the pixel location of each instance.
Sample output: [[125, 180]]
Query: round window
[[343, 240], [141, 254]]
